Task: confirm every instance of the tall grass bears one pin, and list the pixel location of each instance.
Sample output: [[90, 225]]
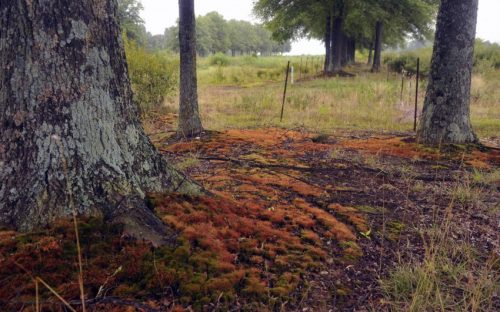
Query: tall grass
[[452, 275], [236, 97], [251, 71]]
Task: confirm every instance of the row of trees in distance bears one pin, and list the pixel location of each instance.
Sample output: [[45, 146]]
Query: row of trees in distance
[[214, 34]]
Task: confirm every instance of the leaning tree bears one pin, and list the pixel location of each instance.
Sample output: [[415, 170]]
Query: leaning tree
[[70, 136], [446, 115], [189, 116]]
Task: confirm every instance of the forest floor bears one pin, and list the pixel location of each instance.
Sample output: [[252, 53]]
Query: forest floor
[[369, 202], [298, 221]]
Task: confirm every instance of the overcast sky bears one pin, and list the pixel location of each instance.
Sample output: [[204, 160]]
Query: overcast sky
[[160, 14]]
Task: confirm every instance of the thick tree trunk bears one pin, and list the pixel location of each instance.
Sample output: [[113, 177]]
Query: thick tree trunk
[[337, 39], [189, 116], [446, 115], [328, 41], [378, 47], [70, 133]]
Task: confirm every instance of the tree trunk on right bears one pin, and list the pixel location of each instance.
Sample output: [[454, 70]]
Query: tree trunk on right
[[378, 47], [189, 116], [446, 115]]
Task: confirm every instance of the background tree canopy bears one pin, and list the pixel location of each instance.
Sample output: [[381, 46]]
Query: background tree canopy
[[214, 34]]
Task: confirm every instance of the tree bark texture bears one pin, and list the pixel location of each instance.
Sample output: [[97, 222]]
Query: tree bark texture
[[189, 116], [70, 133], [328, 41], [446, 115], [337, 39], [377, 55]]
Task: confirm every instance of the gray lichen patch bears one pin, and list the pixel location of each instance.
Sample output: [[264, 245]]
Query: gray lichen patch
[[79, 30]]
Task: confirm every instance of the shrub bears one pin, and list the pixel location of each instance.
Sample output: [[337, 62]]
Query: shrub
[[219, 59], [486, 58], [408, 61], [154, 76]]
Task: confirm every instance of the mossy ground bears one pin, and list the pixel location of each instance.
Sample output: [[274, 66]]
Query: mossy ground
[[294, 222]]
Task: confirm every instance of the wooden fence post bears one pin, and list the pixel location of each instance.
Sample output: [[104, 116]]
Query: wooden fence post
[[416, 95], [284, 92]]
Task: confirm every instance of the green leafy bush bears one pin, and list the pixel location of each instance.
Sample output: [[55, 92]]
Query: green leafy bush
[[486, 58], [219, 59], [154, 76], [408, 61]]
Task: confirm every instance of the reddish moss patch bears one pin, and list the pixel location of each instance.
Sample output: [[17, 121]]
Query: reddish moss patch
[[404, 148]]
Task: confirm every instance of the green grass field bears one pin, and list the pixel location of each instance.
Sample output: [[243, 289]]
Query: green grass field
[[246, 92]]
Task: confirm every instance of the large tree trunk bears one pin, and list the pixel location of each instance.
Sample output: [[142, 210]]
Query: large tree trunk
[[337, 39], [328, 41], [70, 133], [446, 115], [378, 47], [189, 116]]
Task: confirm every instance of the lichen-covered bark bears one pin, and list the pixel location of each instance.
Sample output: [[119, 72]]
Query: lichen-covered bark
[[189, 117], [378, 47], [68, 125], [446, 115]]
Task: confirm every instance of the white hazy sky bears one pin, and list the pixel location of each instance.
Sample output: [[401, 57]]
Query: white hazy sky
[[160, 14]]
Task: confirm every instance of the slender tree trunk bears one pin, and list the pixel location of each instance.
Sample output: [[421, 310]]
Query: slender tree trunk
[[378, 47], [330, 59], [70, 133], [446, 115], [337, 39], [345, 50], [370, 53], [189, 116], [352, 50], [328, 41]]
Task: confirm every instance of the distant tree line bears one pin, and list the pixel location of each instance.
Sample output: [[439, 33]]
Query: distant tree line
[[214, 35]]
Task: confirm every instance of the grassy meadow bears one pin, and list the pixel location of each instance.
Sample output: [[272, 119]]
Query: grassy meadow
[[247, 92]]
